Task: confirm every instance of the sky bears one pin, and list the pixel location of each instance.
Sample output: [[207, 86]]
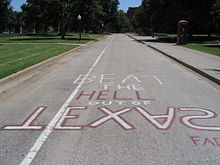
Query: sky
[[124, 4]]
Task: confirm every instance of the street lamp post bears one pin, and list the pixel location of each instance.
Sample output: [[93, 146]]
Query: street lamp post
[[79, 19], [102, 28]]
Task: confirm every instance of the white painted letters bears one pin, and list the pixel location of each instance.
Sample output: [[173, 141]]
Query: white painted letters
[[187, 120], [153, 119]]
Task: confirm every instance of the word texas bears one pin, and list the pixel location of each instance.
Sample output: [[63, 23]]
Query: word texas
[[159, 121]]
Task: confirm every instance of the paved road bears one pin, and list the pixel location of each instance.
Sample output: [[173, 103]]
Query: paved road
[[113, 102]]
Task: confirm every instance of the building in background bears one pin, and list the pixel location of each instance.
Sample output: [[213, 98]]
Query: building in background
[[131, 12]]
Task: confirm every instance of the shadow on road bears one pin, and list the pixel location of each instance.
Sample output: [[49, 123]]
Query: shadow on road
[[194, 39], [215, 70]]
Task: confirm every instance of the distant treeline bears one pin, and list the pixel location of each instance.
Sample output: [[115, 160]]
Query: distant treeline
[[103, 16], [61, 15]]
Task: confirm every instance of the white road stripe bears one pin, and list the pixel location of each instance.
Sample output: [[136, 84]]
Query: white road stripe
[[44, 135], [158, 80]]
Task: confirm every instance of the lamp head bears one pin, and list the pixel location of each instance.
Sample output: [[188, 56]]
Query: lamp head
[[79, 17]]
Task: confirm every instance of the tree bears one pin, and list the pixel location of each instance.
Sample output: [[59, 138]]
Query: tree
[[122, 21], [62, 14], [42, 13], [92, 15], [215, 12], [110, 8], [19, 21], [4, 10], [34, 14], [142, 18], [163, 15], [10, 19]]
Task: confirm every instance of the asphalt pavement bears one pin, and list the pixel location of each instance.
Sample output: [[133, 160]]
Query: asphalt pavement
[[115, 101]]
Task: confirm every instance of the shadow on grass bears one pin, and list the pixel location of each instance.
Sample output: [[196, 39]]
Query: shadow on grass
[[41, 35], [35, 35], [85, 39], [212, 46], [47, 34], [51, 39]]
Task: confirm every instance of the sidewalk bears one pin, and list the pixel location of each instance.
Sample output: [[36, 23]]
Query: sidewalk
[[205, 64]]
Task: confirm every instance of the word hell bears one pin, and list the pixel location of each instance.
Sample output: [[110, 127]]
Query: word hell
[[106, 95], [159, 121]]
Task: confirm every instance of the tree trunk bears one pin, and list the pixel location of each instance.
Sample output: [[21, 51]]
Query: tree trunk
[[58, 29], [34, 28], [21, 30], [62, 30], [9, 30]]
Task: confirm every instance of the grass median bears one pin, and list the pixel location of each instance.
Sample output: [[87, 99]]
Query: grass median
[[16, 57]]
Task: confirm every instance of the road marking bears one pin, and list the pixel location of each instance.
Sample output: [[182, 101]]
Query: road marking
[[129, 77], [61, 124], [187, 120], [28, 123], [115, 116], [44, 135], [153, 119], [160, 82]]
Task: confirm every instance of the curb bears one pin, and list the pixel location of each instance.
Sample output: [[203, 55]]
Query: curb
[[142, 42], [208, 76], [42, 64]]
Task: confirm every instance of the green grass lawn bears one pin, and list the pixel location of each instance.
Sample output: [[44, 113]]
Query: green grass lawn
[[211, 49], [47, 38], [15, 57], [16, 52]]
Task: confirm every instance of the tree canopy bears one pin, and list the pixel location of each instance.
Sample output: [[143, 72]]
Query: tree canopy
[[62, 14], [163, 15], [4, 12], [103, 15]]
